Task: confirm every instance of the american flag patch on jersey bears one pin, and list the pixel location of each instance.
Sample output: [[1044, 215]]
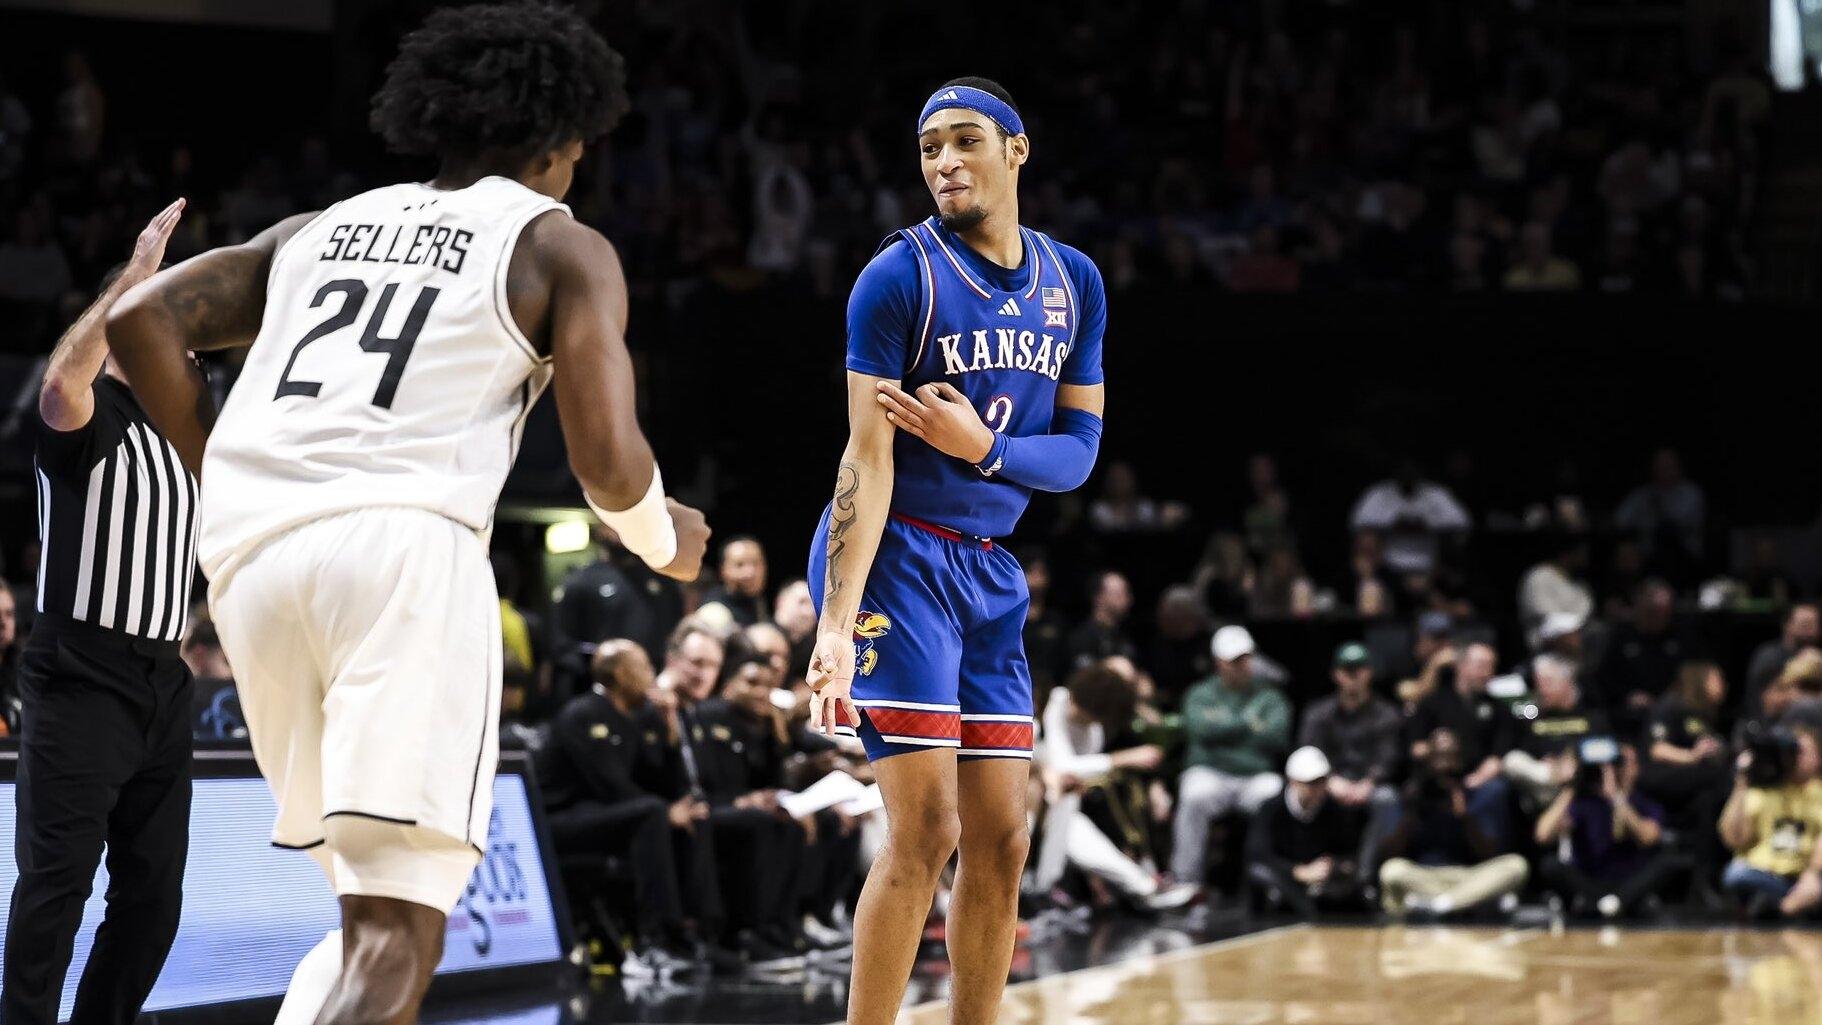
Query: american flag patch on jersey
[[1055, 297]]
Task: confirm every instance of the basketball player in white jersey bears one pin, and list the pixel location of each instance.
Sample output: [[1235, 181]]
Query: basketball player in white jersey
[[398, 340]]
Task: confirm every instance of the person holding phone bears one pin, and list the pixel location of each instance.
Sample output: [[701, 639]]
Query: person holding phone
[[1605, 842]]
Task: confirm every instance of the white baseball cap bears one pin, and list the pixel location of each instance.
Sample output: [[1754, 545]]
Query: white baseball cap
[[1559, 624], [1306, 765], [1231, 642]]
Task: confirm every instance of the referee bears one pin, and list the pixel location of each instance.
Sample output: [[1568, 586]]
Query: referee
[[104, 749]]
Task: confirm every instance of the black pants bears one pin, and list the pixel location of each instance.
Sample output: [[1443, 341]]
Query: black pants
[[693, 851], [1278, 886], [639, 830], [1569, 882], [1694, 796], [758, 856], [829, 867], [104, 758]]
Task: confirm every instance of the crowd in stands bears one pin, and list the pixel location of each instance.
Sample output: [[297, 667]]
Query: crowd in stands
[[1570, 741], [1279, 148], [1592, 757], [1599, 762]]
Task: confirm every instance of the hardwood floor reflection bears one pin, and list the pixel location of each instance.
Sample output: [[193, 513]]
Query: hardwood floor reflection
[[1440, 976]]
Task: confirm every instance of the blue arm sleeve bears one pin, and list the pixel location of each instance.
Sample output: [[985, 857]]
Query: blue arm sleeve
[[881, 311], [1058, 461]]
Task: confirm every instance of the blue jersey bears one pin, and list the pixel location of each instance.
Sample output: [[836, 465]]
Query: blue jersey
[[929, 308]]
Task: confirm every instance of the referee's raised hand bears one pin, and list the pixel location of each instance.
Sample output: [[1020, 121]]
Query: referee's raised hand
[[148, 250], [107, 763], [65, 400]]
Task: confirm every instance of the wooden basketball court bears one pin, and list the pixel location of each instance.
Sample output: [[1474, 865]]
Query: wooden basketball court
[[1304, 975]]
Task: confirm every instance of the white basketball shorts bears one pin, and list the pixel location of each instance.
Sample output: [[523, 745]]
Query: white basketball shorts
[[366, 648]]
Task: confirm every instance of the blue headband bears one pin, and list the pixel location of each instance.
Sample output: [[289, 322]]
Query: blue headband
[[970, 98]]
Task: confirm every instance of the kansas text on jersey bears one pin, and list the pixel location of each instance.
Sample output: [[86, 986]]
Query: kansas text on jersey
[[929, 308]]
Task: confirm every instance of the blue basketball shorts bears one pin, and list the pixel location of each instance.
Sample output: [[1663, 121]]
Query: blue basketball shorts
[[939, 647]]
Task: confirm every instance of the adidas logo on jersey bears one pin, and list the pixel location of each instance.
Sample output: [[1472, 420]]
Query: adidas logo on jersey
[[1011, 309]]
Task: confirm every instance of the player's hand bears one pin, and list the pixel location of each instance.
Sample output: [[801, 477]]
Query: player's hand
[[831, 675], [692, 541], [941, 416], [148, 250]]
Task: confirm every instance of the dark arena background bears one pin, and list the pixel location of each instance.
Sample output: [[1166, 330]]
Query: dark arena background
[[1470, 331]]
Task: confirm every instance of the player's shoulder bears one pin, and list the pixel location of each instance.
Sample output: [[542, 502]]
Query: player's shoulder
[[891, 277], [557, 235], [895, 260], [555, 247]]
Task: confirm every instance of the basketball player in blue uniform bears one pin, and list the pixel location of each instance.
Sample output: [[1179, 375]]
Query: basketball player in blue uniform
[[974, 378]]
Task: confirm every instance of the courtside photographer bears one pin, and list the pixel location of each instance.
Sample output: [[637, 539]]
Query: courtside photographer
[[1771, 822]]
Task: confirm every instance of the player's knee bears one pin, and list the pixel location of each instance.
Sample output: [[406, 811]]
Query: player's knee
[[1000, 848], [391, 942], [930, 837]]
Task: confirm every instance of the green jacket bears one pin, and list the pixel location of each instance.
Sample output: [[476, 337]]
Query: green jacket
[[1233, 731]]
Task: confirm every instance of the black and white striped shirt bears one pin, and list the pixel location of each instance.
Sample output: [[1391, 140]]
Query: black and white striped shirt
[[116, 521]]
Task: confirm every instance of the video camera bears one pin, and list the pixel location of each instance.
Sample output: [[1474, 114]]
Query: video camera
[[1774, 755], [1593, 755]]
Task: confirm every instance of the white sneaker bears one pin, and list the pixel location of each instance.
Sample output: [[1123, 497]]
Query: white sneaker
[[1609, 906], [1171, 897], [823, 936], [654, 963], [632, 966]]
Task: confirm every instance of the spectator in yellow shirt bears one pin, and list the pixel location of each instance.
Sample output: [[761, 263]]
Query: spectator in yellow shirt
[[1772, 829]]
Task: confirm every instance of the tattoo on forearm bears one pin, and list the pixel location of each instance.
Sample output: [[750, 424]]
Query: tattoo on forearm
[[841, 520], [214, 301]]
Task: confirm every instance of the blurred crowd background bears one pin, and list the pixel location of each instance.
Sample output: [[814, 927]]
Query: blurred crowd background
[[1452, 361]]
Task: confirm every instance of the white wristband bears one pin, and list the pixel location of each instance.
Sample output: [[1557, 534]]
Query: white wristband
[[646, 529]]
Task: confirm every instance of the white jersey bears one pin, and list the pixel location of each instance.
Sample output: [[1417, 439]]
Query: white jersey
[[387, 372]]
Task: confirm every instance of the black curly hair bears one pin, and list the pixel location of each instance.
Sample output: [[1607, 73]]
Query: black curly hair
[[499, 83]]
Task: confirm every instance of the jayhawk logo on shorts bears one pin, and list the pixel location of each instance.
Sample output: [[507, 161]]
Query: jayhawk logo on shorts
[[868, 627]]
